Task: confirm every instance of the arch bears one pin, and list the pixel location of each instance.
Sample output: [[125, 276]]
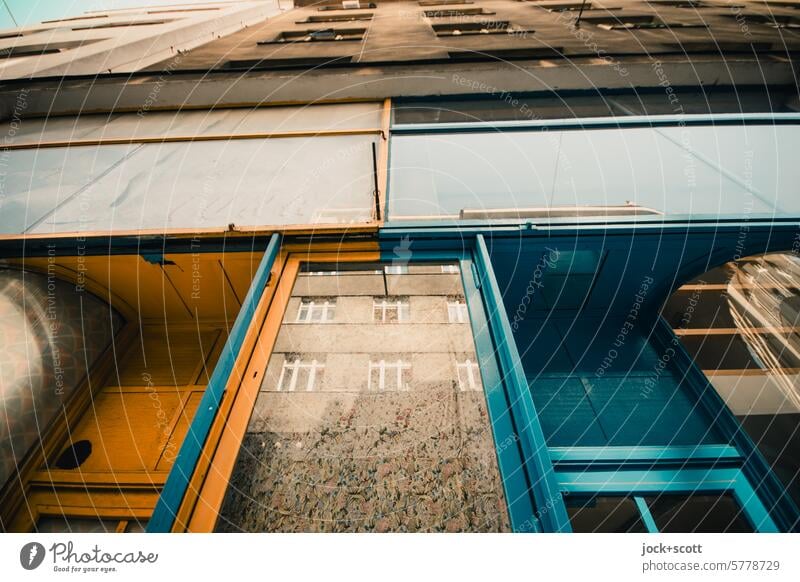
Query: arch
[[51, 334]]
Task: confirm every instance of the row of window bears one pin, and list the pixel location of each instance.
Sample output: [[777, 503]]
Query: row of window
[[384, 310], [298, 375], [386, 269]]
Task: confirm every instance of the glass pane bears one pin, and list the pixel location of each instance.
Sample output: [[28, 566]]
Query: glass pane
[[386, 441], [741, 324], [36, 181], [196, 123], [633, 172], [698, 513], [604, 514], [252, 182], [42, 365]]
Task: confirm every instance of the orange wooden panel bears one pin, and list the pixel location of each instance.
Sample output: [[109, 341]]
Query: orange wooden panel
[[128, 430], [165, 357], [181, 426], [204, 286]]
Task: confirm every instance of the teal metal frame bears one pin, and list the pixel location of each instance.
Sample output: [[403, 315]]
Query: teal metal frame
[[172, 495]]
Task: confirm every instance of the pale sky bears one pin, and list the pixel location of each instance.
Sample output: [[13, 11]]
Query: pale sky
[[27, 12]]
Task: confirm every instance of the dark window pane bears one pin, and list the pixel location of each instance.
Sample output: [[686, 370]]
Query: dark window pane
[[778, 438], [604, 515], [714, 513]]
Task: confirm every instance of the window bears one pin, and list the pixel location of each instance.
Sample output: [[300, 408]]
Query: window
[[457, 311], [450, 269], [337, 18], [469, 28], [388, 376], [779, 21], [455, 12], [469, 375], [390, 310], [739, 322], [670, 513], [318, 35], [298, 375], [388, 397], [637, 21], [316, 310], [396, 269], [604, 514], [698, 513]]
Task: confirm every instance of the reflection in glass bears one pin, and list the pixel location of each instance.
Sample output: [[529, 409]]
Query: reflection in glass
[[362, 426], [741, 324], [591, 174]]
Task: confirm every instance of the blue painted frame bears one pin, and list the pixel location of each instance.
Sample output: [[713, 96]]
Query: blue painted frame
[[172, 495]]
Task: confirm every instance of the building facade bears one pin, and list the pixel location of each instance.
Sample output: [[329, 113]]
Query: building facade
[[491, 265]]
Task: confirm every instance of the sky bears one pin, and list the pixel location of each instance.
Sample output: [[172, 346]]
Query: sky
[[28, 12]]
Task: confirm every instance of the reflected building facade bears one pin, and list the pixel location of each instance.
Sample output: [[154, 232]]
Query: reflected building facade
[[479, 266]]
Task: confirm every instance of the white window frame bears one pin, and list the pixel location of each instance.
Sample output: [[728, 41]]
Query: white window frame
[[403, 309], [292, 368], [457, 312], [390, 367], [469, 376], [306, 309]]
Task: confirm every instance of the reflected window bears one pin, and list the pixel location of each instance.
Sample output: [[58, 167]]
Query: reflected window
[[390, 310], [741, 324], [300, 374], [316, 311], [457, 311], [469, 375], [395, 436], [389, 375]]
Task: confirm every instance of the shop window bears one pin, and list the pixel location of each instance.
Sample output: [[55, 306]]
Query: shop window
[[397, 438], [741, 325]]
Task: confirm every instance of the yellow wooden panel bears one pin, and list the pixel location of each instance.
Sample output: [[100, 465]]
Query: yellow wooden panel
[[165, 357], [182, 423], [128, 430], [204, 286], [240, 268]]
